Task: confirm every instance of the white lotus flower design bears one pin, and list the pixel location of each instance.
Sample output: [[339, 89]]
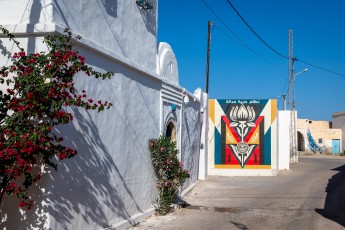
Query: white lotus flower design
[[242, 118]]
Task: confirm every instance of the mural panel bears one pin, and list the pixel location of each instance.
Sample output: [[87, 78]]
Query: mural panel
[[241, 133]]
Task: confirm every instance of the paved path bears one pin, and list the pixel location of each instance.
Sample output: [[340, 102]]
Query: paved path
[[310, 196]]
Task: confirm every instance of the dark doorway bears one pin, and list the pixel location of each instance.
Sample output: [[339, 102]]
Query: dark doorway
[[171, 131], [300, 141]]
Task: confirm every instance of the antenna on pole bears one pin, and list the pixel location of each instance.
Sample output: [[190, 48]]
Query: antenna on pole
[[291, 101], [210, 25]]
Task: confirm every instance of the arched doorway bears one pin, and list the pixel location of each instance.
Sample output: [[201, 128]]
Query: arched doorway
[[300, 141], [171, 131]]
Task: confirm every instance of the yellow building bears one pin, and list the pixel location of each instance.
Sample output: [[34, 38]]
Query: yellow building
[[318, 136]]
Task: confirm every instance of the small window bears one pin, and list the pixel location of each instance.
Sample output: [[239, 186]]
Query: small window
[[171, 67], [320, 141]]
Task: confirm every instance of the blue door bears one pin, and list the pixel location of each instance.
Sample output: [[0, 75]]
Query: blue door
[[335, 146]]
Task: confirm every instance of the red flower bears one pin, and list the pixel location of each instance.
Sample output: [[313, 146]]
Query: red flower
[[22, 204], [10, 91], [21, 108], [62, 156]]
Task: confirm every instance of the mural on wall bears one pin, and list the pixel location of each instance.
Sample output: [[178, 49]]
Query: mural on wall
[[241, 134], [312, 144]]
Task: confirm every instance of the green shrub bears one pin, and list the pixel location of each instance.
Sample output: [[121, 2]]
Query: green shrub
[[169, 172]]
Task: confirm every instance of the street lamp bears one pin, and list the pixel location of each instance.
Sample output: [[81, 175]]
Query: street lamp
[[294, 76], [305, 70], [293, 128]]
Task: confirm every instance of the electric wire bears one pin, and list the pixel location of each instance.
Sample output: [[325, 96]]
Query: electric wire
[[240, 41], [250, 49], [321, 68], [220, 19], [275, 51], [270, 47]]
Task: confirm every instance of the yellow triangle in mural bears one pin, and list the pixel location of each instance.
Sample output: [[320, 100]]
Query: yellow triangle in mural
[[211, 110], [230, 139], [255, 140]]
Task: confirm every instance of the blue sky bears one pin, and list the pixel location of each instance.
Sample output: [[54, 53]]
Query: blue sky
[[238, 73]]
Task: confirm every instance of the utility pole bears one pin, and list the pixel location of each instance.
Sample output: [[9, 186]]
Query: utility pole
[[291, 99], [210, 24], [284, 99]]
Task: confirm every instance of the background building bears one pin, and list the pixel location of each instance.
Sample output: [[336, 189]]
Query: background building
[[318, 136], [338, 121]]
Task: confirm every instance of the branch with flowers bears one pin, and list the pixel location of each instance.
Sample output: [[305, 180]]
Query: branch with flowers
[[38, 89], [169, 172]]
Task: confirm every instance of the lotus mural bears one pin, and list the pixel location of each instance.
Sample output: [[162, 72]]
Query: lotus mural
[[241, 134]]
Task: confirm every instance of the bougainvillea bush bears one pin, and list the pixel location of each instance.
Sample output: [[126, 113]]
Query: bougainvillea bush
[[37, 89], [169, 172]]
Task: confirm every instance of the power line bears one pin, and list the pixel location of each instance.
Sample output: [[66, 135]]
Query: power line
[[232, 6], [319, 67], [220, 19], [284, 56], [250, 49], [240, 41]]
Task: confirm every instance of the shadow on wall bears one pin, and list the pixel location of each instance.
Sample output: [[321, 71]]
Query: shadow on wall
[[35, 12], [191, 141], [110, 7], [13, 218], [86, 186], [149, 17], [335, 201], [4, 51]]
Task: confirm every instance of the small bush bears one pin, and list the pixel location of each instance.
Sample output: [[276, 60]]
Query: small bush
[[169, 171]]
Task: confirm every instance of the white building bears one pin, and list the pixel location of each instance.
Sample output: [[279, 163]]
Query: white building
[[110, 183]]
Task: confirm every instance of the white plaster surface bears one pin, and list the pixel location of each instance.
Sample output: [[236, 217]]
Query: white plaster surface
[[284, 118], [117, 25], [203, 159], [168, 68], [190, 142], [110, 183], [26, 12], [242, 172]]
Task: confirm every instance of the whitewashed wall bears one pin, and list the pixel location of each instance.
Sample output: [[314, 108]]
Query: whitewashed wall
[[284, 118], [110, 183]]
